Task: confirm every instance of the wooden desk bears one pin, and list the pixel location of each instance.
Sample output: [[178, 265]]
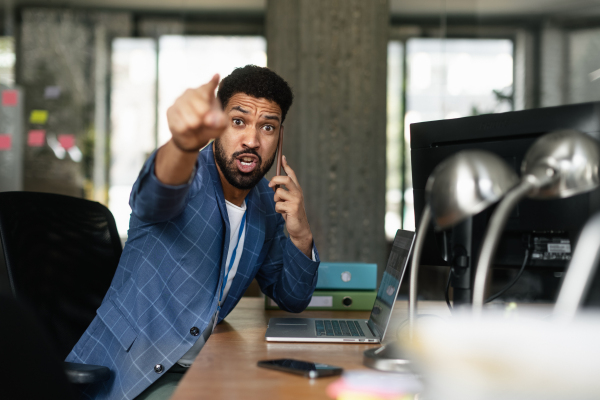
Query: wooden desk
[[226, 366]]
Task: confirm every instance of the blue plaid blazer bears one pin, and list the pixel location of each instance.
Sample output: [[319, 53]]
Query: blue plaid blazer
[[172, 265]]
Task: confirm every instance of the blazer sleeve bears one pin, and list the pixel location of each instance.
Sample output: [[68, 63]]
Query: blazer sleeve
[[287, 275], [153, 201]]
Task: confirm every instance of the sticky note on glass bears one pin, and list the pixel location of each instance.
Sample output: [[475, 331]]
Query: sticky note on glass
[[39, 117], [10, 98], [5, 141], [36, 138], [52, 92], [66, 141]]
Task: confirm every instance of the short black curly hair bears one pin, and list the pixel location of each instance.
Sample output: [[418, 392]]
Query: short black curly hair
[[259, 82]]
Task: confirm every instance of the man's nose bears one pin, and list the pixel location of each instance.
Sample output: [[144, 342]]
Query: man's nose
[[250, 138]]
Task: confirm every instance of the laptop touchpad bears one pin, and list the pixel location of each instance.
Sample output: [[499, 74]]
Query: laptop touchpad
[[296, 326]]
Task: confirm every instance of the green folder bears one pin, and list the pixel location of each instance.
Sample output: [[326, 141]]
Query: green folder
[[338, 300]]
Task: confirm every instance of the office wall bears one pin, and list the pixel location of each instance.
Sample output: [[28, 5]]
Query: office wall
[[334, 55]]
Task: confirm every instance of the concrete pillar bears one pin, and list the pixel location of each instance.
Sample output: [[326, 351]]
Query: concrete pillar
[[553, 66], [525, 84], [584, 65], [334, 55]]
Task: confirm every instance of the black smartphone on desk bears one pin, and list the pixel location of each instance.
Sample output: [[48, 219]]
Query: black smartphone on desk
[[304, 368]]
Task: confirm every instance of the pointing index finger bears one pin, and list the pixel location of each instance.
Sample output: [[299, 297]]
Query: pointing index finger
[[213, 83], [207, 91], [214, 117]]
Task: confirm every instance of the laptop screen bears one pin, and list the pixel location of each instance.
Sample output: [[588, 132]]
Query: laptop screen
[[390, 283]]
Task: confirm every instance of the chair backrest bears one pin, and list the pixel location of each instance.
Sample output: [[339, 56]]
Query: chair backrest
[[59, 255]]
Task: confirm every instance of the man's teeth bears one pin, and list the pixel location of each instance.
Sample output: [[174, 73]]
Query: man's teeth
[[246, 161]]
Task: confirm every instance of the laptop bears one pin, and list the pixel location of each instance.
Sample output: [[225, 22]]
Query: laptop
[[352, 330]]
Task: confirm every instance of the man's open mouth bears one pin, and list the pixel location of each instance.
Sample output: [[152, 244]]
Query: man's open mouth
[[246, 162]]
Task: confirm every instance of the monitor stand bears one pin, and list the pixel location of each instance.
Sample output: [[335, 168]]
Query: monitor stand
[[389, 357], [458, 246]]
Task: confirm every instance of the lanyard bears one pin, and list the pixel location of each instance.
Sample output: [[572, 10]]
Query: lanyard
[[232, 260]]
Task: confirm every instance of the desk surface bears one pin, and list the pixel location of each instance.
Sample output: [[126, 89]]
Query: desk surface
[[226, 366]]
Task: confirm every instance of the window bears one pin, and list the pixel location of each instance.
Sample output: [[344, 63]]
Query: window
[[190, 61], [133, 109], [445, 78], [7, 61]]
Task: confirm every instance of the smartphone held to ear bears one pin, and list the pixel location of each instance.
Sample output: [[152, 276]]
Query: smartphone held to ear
[[279, 154], [305, 368], [280, 151]]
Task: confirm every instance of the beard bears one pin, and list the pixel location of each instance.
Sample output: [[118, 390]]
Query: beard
[[235, 177]]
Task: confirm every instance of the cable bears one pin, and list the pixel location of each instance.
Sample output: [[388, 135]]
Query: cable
[[511, 283], [447, 295]]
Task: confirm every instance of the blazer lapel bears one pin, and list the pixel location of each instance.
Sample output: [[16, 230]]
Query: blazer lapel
[[254, 239]]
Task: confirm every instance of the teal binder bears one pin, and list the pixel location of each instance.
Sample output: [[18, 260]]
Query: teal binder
[[347, 276]]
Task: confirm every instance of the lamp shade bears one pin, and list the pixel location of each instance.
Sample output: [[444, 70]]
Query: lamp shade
[[465, 184]]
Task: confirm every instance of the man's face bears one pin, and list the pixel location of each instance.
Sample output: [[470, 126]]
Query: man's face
[[246, 150]]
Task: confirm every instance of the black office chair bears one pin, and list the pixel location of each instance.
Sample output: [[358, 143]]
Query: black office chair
[[58, 255], [30, 367]]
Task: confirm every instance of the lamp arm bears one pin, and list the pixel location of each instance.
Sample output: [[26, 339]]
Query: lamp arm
[[492, 238], [581, 269], [414, 268]]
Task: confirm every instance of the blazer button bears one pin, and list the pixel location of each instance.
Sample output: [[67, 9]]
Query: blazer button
[[158, 368], [195, 331]]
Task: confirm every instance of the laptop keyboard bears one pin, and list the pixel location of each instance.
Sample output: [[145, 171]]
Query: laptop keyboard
[[338, 328]]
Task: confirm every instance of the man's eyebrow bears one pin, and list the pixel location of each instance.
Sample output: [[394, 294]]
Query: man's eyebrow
[[275, 117], [240, 109]]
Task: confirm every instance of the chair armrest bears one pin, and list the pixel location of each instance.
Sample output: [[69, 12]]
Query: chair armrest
[[86, 373]]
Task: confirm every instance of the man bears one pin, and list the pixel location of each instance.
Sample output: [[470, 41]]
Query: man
[[203, 225]]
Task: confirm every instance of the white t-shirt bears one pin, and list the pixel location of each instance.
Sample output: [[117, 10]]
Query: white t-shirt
[[235, 214]]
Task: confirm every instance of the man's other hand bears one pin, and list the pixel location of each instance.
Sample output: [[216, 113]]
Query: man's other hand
[[196, 117], [290, 204]]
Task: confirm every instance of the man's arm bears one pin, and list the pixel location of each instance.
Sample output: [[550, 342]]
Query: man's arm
[[287, 275]]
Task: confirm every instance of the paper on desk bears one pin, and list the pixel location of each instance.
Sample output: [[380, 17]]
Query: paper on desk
[[374, 385], [523, 357]]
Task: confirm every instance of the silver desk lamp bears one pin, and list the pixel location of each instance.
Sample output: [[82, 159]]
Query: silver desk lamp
[[557, 165], [459, 187], [580, 273]]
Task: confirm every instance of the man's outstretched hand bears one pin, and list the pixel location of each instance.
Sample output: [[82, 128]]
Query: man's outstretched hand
[[290, 204], [194, 119]]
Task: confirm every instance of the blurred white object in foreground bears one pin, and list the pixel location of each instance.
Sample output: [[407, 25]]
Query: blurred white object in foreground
[[500, 358]]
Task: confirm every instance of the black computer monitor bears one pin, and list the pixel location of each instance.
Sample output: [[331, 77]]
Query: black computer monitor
[[547, 227]]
